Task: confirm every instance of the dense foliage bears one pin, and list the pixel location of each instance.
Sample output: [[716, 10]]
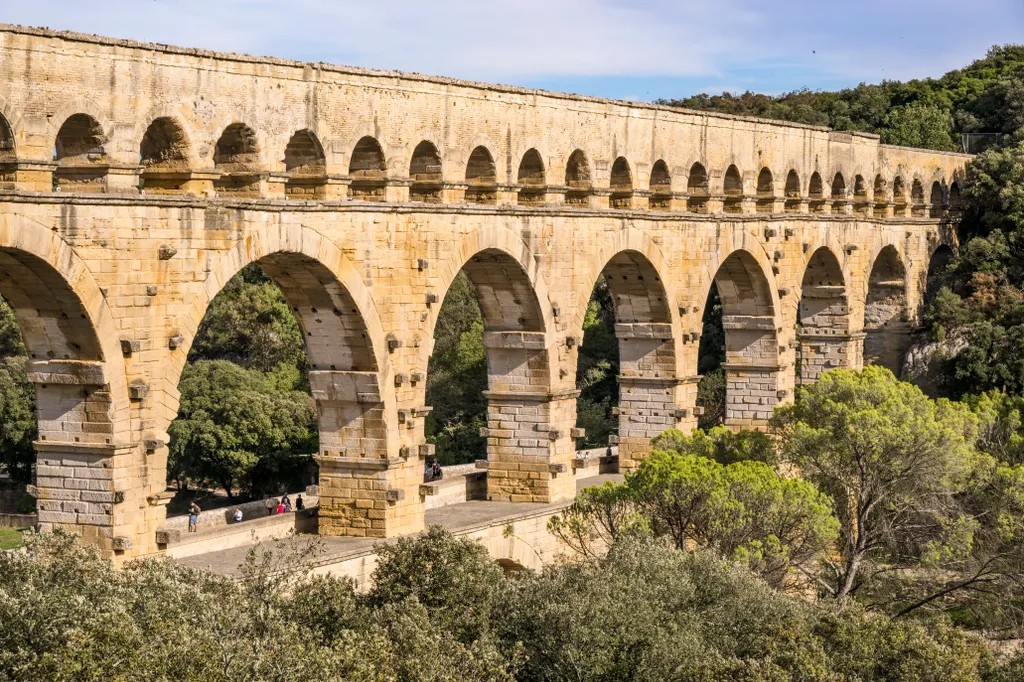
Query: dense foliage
[[440, 610], [241, 428], [904, 503], [984, 97]]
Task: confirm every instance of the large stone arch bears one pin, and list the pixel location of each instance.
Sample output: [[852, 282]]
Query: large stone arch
[[886, 321], [350, 374], [88, 476], [528, 420], [756, 376], [825, 340], [650, 387]]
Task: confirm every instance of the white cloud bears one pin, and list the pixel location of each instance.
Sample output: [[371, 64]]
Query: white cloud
[[782, 44]]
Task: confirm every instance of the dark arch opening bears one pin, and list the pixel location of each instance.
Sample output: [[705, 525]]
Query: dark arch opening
[[511, 567], [626, 360], [164, 153], [917, 207], [51, 361], [697, 189], [8, 156], [838, 194], [793, 197], [481, 177], [816, 193], [237, 157], [621, 184], [475, 367], [885, 312], [425, 172], [661, 187], [939, 273], [765, 191], [880, 196], [81, 155], [954, 196], [532, 179], [750, 377], [578, 180], [860, 195], [733, 190], [824, 318], [306, 165], [367, 171], [937, 200]]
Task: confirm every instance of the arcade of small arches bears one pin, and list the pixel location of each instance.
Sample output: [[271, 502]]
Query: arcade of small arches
[[237, 167]]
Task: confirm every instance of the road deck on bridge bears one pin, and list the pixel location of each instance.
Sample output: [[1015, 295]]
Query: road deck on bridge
[[458, 518]]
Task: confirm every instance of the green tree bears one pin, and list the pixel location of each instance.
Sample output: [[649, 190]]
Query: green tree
[[10, 334], [250, 324], [744, 509], [457, 377], [17, 419], [453, 578], [597, 369], [890, 458], [925, 127], [240, 428]]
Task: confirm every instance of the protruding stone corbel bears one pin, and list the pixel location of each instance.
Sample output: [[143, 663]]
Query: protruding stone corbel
[[138, 389], [166, 252], [577, 432], [130, 346]]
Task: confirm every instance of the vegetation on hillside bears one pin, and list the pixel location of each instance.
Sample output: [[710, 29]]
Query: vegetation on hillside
[[984, 97]]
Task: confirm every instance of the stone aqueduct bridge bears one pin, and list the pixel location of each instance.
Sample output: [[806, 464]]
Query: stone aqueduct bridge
[[362, 194]]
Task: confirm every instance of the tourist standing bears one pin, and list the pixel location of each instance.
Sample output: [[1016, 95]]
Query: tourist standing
[[193, 518], [271, 506], [299, 504], [238, 515]]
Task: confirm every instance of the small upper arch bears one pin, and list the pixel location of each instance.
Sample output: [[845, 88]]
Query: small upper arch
[[531, 178], [531, 169], [237, 149], [621, 179], [80, 140], [579, 181], [367, 170], [426, 173], [165, 145], [481, 177], [733, 181], [8, 151]]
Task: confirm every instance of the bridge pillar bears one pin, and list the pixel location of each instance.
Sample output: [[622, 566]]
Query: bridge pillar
[[529, 444], [87, 479], [824, 341], [756, 379], [366, 488], [650, 394], [822, 350], [886, 345]]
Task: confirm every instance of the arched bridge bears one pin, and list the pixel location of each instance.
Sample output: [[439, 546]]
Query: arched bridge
[[138, 179]]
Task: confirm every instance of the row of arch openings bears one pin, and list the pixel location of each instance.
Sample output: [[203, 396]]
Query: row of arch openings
[[165, 156]]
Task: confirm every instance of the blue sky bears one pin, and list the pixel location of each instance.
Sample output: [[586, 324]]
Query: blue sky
[[608, 48]]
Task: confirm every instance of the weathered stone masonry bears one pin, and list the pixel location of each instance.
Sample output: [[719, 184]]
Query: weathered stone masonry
[[136, 180]]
